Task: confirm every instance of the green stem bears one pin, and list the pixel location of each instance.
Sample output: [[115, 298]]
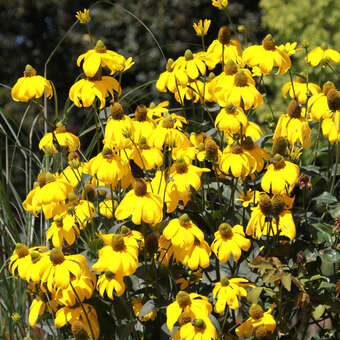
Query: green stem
[[336, 168]]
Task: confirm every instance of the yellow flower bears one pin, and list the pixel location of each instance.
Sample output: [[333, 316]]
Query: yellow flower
[[84, 92], [107, 167], [53, 141], [259, 324], [293, 126], [30, 86], [231, 120], [197, 329], [300, 89], [137, 305], [243, 92], [99, 57], [226, 47], [289, 48], [249, 197], [186, 176], [202, 27], [269, 211], [107, 207], [219, 3], [44, 301], [267, 56], [60, 269], [120, 257], [194, 257], [143, 205], [182, 232], [229, 240], [315, 56], [197, 305], [109, 282], [254, 151], [230, 291], [83, 17], [190, 279], [331, 127], [143, 125], [62, 229], [29, 262], [84, 287], [71, 315], [280, 177], [318, 103], [236, 162], [170, 80]]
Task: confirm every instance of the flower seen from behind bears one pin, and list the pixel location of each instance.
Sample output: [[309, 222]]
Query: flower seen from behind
[[83, 16], [201, 28]]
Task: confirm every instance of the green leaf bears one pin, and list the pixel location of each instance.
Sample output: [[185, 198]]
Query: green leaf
[[325, 197], [254, 294], [324, 232], [331, 255], [335, 212], [318, 311], [147, 308], [286, 280]]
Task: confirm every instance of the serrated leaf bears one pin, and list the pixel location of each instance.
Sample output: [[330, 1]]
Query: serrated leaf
[[268, 275], [254, 294], [331, 255], [318, 311], [286, 280], [325, 197], [269, 292]]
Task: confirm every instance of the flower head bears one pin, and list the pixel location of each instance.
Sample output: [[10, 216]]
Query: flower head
[[315, 56], [30, 86], [201, 28], [83, 16], [219, 3]]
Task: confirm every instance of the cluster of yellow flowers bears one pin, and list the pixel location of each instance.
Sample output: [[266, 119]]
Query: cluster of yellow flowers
[[148, 161]]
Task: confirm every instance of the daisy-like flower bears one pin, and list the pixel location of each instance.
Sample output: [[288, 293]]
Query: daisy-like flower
[[52, 141], [331, 127], [119, 128], [186, 176], [137, 305], [189, 279], [109, 282], [143, 205], [74, 315], [44, 301], [30, 86], [23, 261], [84, 92], [197, 305], [254, 151], [224, 47], [195, 329], [253, 131], [249, 197], [107, 207], [202, 27], [236, 162], [231, 120], [229, 240], [243, 91], [83, 16], [82, 288], [60, 268], [259, 324], [196, 256], [120, 257], [98, 57], [267, 56], [167, 133], [299, 89], [182, 232], [280, 177], [219, 3], [315, 56], [107, 167], [289, 48], [143, 125], [293, 126], [272, 216], [319, 103], [170, 80], [230, 291], [146, 157]]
